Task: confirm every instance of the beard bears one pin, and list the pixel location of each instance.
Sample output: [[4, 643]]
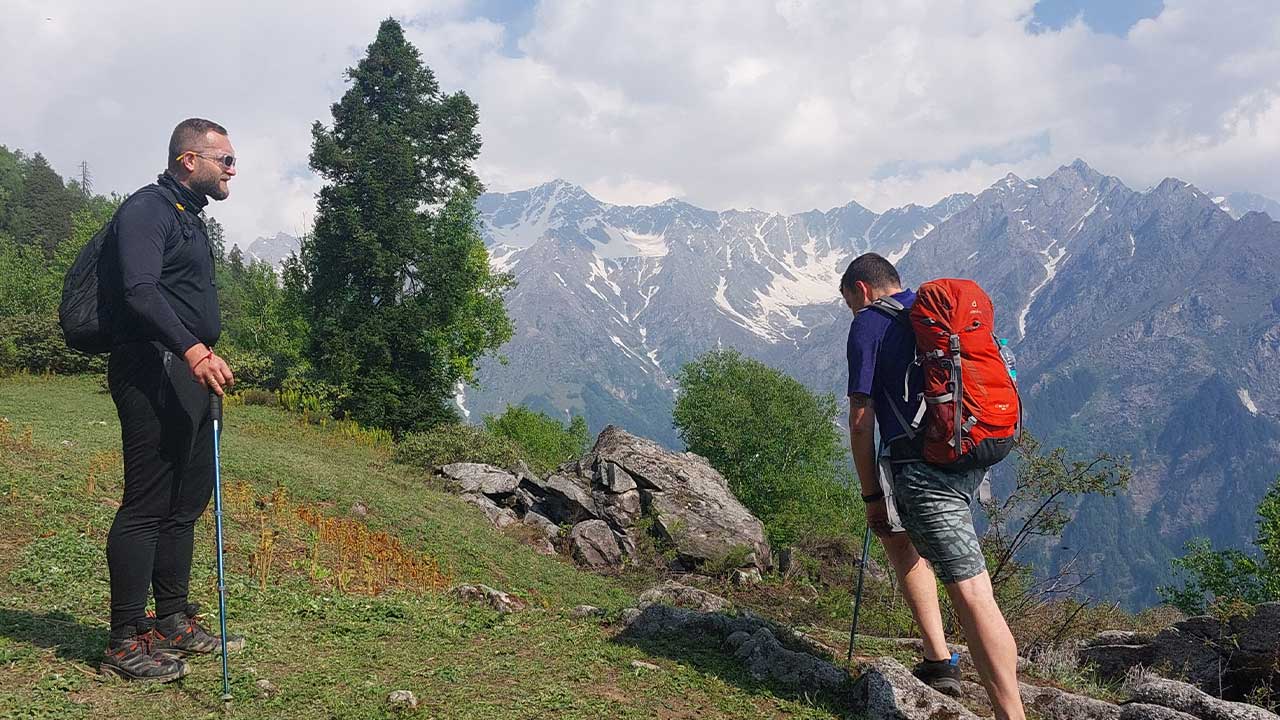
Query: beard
[[210, 186]]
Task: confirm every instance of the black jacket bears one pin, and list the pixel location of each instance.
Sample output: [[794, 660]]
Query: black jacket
[[160, 269]]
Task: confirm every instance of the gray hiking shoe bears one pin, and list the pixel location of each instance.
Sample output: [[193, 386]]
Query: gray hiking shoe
[[182, 634], [134, 659]]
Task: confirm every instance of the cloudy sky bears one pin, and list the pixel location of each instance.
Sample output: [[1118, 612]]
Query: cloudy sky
[[775, 104]]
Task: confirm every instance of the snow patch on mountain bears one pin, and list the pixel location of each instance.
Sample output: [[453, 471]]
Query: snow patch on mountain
[[1247, 401]]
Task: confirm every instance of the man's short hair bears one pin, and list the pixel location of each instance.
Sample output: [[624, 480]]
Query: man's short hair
[[188, 136], [873, 270]]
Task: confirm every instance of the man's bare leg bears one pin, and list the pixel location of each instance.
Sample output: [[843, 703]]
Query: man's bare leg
[[920, 588], [994, 652]]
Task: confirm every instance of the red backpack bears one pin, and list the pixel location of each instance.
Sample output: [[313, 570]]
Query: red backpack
[[970, 411]]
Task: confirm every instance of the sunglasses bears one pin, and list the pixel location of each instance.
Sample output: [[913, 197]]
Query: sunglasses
[[227, 161]]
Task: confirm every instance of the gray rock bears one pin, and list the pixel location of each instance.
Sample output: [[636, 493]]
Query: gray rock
[[682, 596], [1113, 661], [615, 479], [746, 578], [480, 478], [500, 517], [359, 509], [1054, 704], [767, 659], [543, 523], [691, 503], [566, 499], [642, 665], [888, 691], [498, 600], [620, 509], [1143, 711], [592, 544], [1119, 637], [583, 612], [402, 700], [265, 688], [735, 640], [1191, 700], [1229, 658]]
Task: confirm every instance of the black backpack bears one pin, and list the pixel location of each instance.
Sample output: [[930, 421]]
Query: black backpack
[[85, 310]]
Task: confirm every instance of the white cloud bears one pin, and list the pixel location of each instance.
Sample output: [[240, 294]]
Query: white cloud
[[786, 106]]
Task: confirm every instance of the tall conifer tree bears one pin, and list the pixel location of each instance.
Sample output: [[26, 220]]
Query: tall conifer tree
[[398, 285]]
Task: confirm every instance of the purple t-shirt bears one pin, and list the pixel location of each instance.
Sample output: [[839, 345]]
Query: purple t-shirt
[[879, 352]]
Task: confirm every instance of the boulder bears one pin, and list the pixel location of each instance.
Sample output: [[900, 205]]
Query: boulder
[[1142, 711], [691, 504], [888, 691], [682, 596], [1230, 657], [592, 544], [615, 479], [766, 659], [1192, 701], [620, 509], [565, 499], [480, 478], [500, 517], [1054, 704]]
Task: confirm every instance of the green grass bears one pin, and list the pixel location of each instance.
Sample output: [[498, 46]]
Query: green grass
[[328, 653]]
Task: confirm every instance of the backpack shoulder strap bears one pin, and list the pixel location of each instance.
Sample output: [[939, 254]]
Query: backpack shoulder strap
[[177, 205], [892, 309]]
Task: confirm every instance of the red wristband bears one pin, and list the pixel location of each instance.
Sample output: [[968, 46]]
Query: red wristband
[[197, 365]]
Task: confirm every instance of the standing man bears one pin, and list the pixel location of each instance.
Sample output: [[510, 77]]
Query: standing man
[[158, 272], [933, 503]]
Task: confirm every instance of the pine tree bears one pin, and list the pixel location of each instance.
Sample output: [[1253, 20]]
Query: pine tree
[[401, 298]]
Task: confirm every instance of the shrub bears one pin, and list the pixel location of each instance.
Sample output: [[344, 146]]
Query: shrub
[[544, 441], [1213, 577], [454, 442], [34, 343], [251, 369], [777, 443]]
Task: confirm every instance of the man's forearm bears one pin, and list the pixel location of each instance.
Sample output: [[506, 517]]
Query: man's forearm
[[863, 445]]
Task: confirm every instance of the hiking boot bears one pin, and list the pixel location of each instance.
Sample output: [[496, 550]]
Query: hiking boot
[[134, 658], [941, 675], [181, 634]]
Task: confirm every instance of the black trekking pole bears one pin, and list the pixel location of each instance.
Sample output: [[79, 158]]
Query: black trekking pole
[[215, 413], [857, 598]]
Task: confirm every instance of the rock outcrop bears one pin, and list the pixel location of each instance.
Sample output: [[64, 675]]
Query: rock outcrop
[[1228, 658], [604, 496]]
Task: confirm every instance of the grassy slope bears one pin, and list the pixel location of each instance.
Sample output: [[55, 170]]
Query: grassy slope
[[328, 653]]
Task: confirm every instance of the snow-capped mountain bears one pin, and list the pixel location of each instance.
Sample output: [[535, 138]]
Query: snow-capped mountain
[[272, 250], [1144, 323]]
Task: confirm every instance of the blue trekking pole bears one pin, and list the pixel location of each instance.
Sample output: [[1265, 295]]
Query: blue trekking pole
[[857, 598], [215, 413]]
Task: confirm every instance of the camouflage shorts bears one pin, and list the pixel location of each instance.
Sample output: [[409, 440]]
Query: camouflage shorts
[[933, 505]]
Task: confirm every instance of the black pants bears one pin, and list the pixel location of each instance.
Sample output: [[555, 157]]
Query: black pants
[[168, 479]]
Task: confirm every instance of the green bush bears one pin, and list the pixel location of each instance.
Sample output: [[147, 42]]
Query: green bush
[[545, 442], [252, 370], [453, 442], [34, 343], [1222, 577], [776, 443]]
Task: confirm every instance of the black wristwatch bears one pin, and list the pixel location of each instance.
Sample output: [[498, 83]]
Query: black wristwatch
[[878, 495]]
